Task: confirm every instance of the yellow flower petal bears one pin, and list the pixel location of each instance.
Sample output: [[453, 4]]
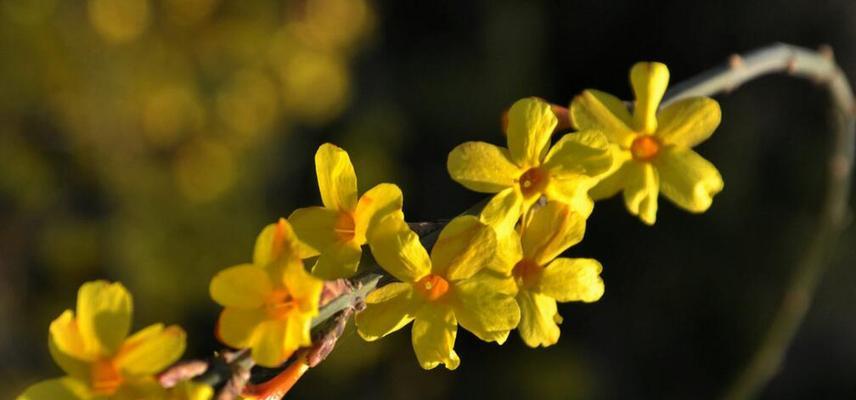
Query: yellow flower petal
[[338, 261], [57, 389], [151, 350], [374, 205], [538, 317], [103, 316], [189, 390], [530, 124], [689, 122], [464, 247], [244, 286], [237, 326], [140, 388], [397, 249], [503, 210], [482, 167], [337, 180], [649, 81], [585, 153], [573, 192], [315, 227], [687, 179], [614, 181], [485, 306], [269, 343], [303, 287], [572, 279], [641, 187], [276, 241], [596, 110], [298, 331], [576, 163], [508, 253], [67, 347], [552, 229], [433, 335], [388, 309]]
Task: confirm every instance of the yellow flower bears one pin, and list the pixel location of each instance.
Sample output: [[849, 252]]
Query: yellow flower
[[529, 167], [440, 291], [189, 390], [541, 278], [338, 230], [92, 346], [269, 304], [652, 148]]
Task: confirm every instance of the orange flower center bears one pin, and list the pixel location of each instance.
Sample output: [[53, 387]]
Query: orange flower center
[[527, 273], [279, 304], [645, 148], [433, 287], [345, 226], [533, 181], [105, 377]]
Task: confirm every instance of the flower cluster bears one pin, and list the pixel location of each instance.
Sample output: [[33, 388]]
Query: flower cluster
[[269, 304], [490, 273], [501, 270], [652, 148]]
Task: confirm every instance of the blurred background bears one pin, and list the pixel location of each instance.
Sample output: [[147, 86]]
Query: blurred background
[[148, 141]]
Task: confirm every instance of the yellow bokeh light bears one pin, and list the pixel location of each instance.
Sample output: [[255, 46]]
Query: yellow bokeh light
[[189, 12], [315, 85], [119, 21], [204, 170], [332, 24], [170, 113], [248, 104]]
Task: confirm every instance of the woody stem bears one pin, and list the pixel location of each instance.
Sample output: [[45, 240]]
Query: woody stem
[[818, 66]]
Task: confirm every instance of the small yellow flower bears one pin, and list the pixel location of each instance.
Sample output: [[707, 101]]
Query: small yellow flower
[[338, 230], [440, 291], [652, 148], [92, 346], [189, 390], [541, 278], [529, 167], [269, 304]]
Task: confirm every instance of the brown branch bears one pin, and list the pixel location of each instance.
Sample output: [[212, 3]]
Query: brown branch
[[817, 66]]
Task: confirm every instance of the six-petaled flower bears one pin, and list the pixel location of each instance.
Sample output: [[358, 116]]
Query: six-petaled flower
[[269, 304], [451, 286], [530, 168], [542, 277], [653, 148], [338, 230]]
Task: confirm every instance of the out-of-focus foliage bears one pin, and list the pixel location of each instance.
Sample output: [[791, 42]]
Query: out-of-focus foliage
[[134, 135]]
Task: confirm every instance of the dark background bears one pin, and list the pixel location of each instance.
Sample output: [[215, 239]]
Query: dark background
[[686, 301]]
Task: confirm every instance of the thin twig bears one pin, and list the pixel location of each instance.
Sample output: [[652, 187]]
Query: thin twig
[[362, 286], [819, 67]]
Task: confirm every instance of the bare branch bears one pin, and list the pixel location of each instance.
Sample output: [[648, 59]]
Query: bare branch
[[817, 66]]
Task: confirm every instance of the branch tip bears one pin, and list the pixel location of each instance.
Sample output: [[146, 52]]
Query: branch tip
[[826, 52], [791, 66], [735, 61]]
